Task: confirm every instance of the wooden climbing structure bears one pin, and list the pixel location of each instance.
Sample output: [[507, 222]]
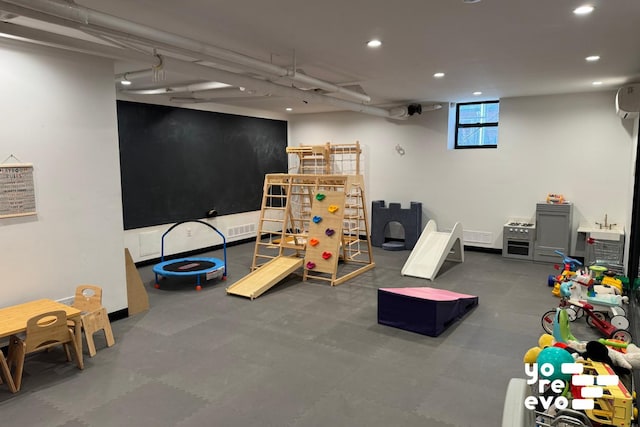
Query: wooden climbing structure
[[311, 218], [327, 159], [289, 205], [318, 219]]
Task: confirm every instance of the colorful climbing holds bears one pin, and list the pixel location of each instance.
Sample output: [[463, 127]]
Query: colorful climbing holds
[[326, 255], [313, 241], [317, 219], [332, 208], [329, 232], [311, 265], [320, 196]]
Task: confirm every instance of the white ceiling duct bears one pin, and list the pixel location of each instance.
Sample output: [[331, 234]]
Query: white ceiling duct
[[215, 100], [196, 87], [195, 70], [208, 73], [132, 75], [105, 22]]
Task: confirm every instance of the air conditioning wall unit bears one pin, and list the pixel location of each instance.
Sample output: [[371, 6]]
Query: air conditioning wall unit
[[628, 101]]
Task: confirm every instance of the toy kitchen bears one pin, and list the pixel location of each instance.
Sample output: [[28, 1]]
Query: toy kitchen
[[518, 238], [538, 239]]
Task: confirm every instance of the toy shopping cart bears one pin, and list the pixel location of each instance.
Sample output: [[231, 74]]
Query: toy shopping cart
[[564, 418], [515, 414], [608, 254]]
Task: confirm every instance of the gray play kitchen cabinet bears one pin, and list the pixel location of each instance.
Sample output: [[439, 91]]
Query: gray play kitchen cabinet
[[553, 231]]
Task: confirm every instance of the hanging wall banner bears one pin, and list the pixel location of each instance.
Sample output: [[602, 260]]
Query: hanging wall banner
[[17, 193]]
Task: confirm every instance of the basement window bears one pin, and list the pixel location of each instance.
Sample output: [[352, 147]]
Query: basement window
[[477, 124]]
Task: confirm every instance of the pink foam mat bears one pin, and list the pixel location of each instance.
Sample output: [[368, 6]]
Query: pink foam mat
[[429, 293]]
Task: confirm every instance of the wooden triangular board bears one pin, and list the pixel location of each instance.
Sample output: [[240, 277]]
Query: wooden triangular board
[[137, 298]]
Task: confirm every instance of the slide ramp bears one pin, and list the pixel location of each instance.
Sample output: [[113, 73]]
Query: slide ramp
[[432, 250], [263, 278]]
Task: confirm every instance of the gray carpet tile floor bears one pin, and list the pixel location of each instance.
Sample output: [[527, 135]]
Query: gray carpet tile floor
[[303, 354]]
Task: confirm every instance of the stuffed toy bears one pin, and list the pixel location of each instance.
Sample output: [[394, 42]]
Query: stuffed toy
[[631, 357], [621, 363], [599, 352], [544, 341]]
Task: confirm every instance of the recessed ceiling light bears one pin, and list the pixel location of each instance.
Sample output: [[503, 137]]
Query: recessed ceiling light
[[583, 10], [476, 93], [592, 58], [289, 109], [471, 1], [438, 75], [374, 43], [597, 83]]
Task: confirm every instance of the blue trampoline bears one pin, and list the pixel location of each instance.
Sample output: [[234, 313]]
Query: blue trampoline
[[200, 267]]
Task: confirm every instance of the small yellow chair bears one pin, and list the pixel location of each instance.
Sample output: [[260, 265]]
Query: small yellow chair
[[44, 331], [88, 299]]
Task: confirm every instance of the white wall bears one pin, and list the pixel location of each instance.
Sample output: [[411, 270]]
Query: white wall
[[570, 144], [58, 112], [145, 243]]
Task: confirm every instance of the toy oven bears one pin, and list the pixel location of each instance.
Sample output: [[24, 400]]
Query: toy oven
[[518, 239]]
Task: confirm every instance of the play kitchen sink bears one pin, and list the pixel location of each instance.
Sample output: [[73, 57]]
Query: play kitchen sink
[[602, 230], [602, 234], [601, 243]]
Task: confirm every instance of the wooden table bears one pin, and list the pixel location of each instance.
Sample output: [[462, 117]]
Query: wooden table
[[13, 320]]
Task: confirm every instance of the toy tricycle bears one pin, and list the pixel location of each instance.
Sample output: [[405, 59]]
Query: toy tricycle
[[604, 299], [594, 319], [569, 269]]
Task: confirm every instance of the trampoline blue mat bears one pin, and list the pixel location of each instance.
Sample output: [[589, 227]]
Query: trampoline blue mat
[[188, 266]]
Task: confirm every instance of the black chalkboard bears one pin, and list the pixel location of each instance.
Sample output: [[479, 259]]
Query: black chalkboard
[[177, 164]]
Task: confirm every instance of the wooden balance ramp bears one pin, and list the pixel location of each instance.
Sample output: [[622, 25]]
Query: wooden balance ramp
[[262, 279]]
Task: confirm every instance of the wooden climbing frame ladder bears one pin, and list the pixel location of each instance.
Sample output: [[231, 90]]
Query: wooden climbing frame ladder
[[286, 225]]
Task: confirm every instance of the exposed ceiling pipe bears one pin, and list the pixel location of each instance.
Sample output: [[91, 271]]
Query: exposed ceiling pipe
[[225, 94], [89, 17], [186, 100], [132, 75], [44, 38], [146, 46], [15, 10], [214, 100], [117, 38], [116, 41], [125, 40], [153, 71], [194, 70], [197, 87], [208, 73]]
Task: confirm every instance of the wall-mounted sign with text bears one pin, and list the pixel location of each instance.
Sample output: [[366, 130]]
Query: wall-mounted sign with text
[[17, 193]]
